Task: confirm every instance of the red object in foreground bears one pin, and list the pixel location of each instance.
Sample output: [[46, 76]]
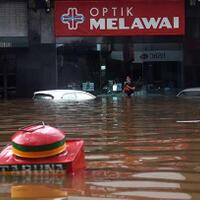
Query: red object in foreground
[[42, 149]]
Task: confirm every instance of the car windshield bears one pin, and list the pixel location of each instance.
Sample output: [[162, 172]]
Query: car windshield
[[43, 96]]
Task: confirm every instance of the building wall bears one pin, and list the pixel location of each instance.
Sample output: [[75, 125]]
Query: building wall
[[13, 19], [36, 61], [192, 44], [28, 34]]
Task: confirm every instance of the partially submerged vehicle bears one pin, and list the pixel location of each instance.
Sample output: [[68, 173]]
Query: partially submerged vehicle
[[189, 92], [67, 95], [41, 149]]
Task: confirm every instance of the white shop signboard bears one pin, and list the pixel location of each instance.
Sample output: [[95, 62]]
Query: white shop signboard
[[158, 56]]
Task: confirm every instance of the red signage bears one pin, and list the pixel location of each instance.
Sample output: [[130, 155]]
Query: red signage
[[112, 18]]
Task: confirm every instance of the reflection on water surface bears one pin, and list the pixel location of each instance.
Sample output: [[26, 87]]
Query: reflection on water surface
[[136, 148]]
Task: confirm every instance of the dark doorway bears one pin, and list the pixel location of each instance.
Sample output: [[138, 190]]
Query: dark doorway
[[7, 75]]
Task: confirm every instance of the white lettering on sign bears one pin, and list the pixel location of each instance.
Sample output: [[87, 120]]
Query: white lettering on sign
[[176, 22], [158, 55], [137, 23], [152, 22], [113, 11], [29, 168], [100, 24], [112, 23], [104, 11], [106, 18], [94, 12], [122, 25]]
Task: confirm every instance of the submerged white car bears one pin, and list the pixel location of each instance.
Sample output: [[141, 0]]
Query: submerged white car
[[189, 92], [68, 95]]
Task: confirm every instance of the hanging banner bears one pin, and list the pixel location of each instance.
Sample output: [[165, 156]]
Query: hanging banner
[[119, 18]]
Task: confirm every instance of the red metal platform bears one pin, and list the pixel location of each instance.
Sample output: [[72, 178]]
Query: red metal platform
[[69, 161]]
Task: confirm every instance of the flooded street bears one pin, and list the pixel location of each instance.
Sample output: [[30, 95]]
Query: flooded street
[[139, 148]]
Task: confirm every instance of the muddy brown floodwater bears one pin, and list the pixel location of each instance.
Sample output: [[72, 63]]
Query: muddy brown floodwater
[[139, 148]]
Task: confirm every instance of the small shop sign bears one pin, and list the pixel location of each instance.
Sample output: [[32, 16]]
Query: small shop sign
[[158, 56]]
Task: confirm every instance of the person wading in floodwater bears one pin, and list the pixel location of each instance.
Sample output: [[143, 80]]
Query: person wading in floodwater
[[129, 88]]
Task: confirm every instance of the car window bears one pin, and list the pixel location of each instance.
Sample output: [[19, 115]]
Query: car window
[[43, 96], [69, 97]]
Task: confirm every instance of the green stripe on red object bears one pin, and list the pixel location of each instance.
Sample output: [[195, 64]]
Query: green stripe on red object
[[38, 148]]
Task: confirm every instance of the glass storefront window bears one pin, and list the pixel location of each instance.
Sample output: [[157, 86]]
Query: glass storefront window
[[101, 67]]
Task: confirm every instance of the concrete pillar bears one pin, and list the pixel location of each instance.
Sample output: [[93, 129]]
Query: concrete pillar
[[37, 64]]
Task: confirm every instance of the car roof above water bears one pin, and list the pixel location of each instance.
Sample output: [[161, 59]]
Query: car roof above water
[[195, 91], [59, 93]]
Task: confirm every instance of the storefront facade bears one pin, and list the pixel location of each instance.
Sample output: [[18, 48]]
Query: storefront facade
[[129, 43], [92, 45]]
